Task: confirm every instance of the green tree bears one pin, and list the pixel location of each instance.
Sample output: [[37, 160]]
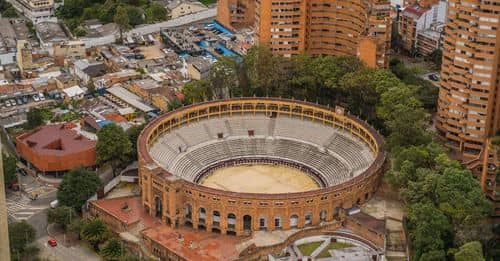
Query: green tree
[[135, 15], [428, 228], [155, 12], [95, 232], [34, 118], [174, 104], [433, 255], [9, 12], [112, 250], [21, 234], [121, 19], [77, 187], [436, 57], [113, 146], [133, 134], [471, 251], [9, 169], [62, 215], [196, 91]]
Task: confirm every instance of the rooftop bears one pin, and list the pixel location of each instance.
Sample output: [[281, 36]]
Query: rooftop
[[415, 11], [50, 32], [7, 36], [57, 139], [192, 244], [129, 98]]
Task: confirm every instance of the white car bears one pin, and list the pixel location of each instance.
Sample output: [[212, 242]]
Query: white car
[[7, 103], [35, 98], [13, 102], [41, 96]]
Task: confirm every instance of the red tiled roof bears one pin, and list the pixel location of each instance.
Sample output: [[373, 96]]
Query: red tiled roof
[[206, 245], [114, 117], [57, 139], [415, 10], [369, 221], [134, 211]]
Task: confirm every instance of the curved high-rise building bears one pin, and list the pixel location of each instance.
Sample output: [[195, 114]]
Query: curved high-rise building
[[468, 106], [332, 27]]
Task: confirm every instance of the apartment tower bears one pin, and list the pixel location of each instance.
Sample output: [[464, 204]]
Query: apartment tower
[[329, 27], [469, 102]]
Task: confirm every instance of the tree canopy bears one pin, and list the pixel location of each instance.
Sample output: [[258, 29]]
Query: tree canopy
[[444, 203], [471, 251], [34, 118], [21, 234], [77, 187], [62, 215], [9, 169], [112, 250], [95, 232], [113, 146]]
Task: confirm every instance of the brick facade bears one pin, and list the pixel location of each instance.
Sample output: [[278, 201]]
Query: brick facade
[[179, 202]]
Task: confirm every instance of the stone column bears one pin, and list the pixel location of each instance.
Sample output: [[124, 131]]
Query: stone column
[[4, 235]]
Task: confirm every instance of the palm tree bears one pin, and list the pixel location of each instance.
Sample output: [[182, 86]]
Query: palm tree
[[112, 250], [95, 232]]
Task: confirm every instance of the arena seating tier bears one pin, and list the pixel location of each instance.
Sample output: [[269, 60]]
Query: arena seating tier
[[335, 154]]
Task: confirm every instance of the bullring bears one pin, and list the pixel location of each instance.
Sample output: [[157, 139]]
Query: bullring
[[179, 149]]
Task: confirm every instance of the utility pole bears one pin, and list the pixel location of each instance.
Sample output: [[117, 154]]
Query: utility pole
[[4, 227]]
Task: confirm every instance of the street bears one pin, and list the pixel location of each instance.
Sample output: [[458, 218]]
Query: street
[[62, 253]]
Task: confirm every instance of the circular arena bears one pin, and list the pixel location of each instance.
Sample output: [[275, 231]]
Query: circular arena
[[240, 165]]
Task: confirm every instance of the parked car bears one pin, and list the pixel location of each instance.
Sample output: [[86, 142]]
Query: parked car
[[13, 102], [19, 101], [25, 99], [52, 242], [23, 172], [433, 77], [54, 203], [41, 96], [7, 103], [35, 98]]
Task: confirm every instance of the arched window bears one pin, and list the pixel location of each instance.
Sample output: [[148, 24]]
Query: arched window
[[247, 222], [158, 207], [294, 219], [308, 218], [216, 218], [322, 215], [262, 223], [201, 215], [188, 211], [231, 221], [277, 222]]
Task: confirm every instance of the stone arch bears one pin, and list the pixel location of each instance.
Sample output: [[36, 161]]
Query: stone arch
[[336, 212], [247, 222], [216, 218]]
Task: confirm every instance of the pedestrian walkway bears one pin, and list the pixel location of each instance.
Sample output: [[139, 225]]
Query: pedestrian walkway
[[19, 208]]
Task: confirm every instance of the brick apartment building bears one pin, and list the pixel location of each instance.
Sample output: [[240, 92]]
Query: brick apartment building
[[316, 27]]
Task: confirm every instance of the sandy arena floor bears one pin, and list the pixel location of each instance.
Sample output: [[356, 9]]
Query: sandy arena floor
[[260, 179]]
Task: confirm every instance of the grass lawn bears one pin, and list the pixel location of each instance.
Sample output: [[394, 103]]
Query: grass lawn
[[332, 246], [208, 2], [307, 248]]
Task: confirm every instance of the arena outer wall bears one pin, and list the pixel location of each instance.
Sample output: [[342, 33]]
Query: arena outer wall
[[175, 194]]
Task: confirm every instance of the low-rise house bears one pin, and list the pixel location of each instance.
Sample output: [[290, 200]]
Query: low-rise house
[[7, 42], [198, 67], [178, 8], [71, 49], [86, 71], [50, 33], [73, 93]]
